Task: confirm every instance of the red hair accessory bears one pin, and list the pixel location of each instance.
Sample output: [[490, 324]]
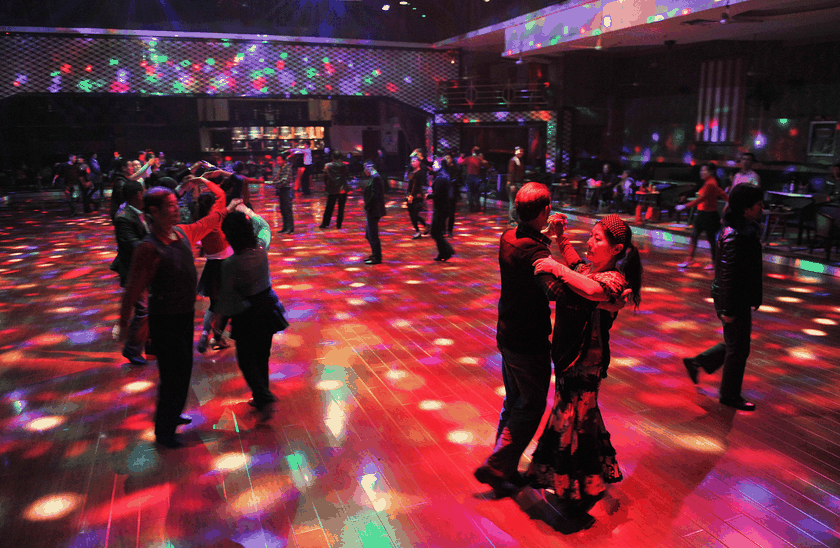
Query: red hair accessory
[[618, 228]]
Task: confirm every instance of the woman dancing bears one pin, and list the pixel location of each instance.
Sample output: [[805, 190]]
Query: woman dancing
[[574, 456], [247, 297]]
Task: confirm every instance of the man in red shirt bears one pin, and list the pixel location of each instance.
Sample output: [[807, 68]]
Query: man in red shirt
[[474, 164]]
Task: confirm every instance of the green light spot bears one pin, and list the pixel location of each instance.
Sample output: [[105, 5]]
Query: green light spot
[[284, 55], [210, 61], [368, 80], [85, 85], [554, 40], [185, 63], [304, 92], [114, 62], [178, 87], [596, 32], [783, 121], [56, 73], [565, 30], [269, 71], [325, 60], [256, 74], [225, 44], [311, 73]]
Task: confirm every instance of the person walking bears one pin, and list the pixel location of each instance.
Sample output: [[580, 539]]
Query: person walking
[[708, 218], [515, 180], [441, 201], [374, 210], [736, 290], [415, 194]]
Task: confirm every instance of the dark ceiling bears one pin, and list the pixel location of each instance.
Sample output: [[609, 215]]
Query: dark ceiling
[[353, 19]]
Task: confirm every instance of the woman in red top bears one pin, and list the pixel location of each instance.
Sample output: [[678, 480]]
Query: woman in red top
[[707, 218]]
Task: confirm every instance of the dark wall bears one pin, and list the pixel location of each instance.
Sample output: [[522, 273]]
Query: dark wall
[[43, 129], [641, 107]]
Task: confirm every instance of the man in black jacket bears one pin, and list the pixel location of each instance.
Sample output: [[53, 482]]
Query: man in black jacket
[[442, 201], [335, 186], [374, 210], [131, 228], [736, 290]]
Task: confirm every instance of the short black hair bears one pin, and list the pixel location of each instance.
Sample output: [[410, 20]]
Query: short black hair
[[239, 231], [154, 197], [131, 188], [750, 154], [743, 197], [238, 166]]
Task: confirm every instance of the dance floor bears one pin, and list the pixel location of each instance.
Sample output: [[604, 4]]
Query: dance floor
[[390, 387]]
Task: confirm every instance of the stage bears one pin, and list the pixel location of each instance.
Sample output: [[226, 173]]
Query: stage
[[390, 388]]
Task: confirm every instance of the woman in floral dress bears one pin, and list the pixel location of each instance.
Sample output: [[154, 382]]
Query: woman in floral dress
[[574, 457]]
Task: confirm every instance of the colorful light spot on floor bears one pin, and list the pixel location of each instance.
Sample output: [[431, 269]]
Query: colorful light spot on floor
[[329, 385], [44, 423], [430, 405], [801, 353], [814, 332], [52, 507], [461, 437], [825, 321], [137, 386], [230, 461], [789, 299], [444, 342]]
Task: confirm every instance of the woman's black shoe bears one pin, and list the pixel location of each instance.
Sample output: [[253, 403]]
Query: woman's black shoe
[[739, 403]]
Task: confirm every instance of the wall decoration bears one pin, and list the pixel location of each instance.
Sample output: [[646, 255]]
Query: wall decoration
[[821, 138]]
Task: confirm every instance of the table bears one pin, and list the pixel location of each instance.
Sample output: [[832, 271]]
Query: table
[[647, 200]]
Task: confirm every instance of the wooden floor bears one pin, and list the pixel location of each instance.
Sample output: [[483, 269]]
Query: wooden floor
[[390, 388]]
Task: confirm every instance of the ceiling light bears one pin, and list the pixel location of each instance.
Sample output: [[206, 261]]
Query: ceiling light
[[386, 7], [403, 3]]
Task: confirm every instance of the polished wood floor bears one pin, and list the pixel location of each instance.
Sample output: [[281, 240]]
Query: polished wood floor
[[390, 388]]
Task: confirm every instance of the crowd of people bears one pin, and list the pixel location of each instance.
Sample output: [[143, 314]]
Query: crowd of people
[[158, 224]]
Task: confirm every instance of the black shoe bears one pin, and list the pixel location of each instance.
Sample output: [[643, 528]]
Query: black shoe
[[449, 234], [169, 442], [373, 261], [427, 230], [443, 259], [323, 226], [133, 359], [692, 369], [182, 420], [502, 487], [738, 403]]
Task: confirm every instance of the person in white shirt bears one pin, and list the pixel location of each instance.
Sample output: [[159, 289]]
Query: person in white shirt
[[746, 174]]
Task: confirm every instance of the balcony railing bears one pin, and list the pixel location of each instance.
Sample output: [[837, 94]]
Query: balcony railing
[[466, 94]]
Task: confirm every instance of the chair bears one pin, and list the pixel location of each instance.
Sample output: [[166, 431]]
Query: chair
[[827, 228]]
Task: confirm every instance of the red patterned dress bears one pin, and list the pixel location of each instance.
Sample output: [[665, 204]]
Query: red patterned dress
[[574, 456]]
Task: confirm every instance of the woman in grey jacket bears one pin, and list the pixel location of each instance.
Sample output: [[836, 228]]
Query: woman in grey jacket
[[247, 297]]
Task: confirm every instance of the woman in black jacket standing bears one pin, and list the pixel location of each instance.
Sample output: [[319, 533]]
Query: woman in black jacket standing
[[736, 290]]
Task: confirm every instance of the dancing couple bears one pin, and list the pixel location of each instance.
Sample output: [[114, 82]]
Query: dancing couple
[[574, 457]]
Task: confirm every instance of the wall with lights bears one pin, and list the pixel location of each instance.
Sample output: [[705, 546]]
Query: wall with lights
[[146, 65]]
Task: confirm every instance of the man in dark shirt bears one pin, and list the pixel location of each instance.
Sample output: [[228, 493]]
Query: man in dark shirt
[[335, 186], [522, 338], [131, 229], [374, 210]]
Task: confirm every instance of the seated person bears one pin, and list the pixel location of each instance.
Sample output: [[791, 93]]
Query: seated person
[[625, 191]]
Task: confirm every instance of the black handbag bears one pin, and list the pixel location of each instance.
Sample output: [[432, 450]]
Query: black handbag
[[268, 306]]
